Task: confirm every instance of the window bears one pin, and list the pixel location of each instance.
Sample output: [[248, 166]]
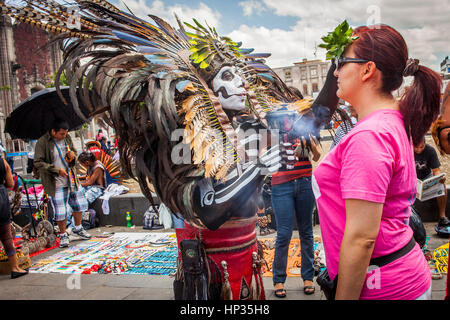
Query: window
[[315, 87], [305, 89], [287, 75], [324, 71], [314, 72], [303, 73]]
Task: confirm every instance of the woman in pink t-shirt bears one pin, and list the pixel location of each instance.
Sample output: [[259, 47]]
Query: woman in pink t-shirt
[[364, 187]]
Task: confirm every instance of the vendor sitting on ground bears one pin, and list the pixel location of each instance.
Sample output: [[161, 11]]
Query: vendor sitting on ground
[[427, 165], [95, 180]]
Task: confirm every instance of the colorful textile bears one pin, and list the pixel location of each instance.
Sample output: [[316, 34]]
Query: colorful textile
[[92, 193], [374, 162], [122, 253], [441, 256], [294, 260]]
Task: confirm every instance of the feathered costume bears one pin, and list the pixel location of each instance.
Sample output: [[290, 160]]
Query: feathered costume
[[148, 80], [112, 166]]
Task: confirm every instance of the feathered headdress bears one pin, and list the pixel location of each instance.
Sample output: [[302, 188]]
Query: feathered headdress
[[151, 79], [162, 71]]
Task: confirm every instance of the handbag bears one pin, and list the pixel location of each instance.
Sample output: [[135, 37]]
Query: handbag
[[329, 286]]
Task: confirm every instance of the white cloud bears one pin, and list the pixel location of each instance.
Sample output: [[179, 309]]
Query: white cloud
[[423, 24], [250, 6], [200, 11], [286, 46]]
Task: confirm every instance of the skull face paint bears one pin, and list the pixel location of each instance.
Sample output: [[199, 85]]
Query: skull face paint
[[229, 87]]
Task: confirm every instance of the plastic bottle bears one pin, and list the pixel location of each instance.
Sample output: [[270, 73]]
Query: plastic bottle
[[128, 217]]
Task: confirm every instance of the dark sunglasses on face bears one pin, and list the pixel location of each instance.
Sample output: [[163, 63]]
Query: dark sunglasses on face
[[343, 60]]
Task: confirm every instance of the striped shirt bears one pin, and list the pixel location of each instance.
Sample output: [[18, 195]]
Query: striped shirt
[[248, 130], [342, 130], [302, 168]]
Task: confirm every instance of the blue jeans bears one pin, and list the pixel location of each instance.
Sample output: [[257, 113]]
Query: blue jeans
[[288, 199]]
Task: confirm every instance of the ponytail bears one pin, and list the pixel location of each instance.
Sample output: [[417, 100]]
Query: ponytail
[[421, 102]]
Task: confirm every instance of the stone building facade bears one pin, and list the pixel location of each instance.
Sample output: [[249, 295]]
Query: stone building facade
[[308, 76], [26, 66]]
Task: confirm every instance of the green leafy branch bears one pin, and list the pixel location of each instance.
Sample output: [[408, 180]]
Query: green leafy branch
[[52, 78], [203, 44], [336, 42]]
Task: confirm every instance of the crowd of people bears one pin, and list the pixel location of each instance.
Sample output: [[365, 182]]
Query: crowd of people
[[53, 159]]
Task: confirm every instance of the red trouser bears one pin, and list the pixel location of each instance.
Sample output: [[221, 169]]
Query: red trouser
[[235, 243]]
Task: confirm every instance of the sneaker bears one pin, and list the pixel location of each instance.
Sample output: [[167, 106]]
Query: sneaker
[[64, 240], [443, 222], [81, 233]]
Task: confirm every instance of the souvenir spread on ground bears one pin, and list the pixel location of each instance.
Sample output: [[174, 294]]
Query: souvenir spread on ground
[[294, 256], [126, 253], [156, 254], [146, 253], [441, 257]]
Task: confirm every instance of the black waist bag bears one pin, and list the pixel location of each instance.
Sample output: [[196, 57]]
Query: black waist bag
[[329, 286]]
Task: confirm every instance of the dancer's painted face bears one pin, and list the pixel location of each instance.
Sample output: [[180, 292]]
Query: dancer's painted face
[[229, 87]]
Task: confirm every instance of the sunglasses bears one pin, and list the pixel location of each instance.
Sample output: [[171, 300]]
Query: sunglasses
[[343, 60]]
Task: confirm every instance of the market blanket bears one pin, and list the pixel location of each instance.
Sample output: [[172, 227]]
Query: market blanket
[[294, 256], [121, 253], [441, 257]]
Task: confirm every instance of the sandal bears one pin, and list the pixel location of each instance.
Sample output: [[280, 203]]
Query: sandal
[[280, 293], [309, 289]]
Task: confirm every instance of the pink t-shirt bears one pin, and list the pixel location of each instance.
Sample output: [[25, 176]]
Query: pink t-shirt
[[374, 162]]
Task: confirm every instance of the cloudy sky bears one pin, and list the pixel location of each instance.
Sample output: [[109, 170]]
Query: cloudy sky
[[292, 29]]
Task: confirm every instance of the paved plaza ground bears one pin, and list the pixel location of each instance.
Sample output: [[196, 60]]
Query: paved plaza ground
[[146, 287]]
